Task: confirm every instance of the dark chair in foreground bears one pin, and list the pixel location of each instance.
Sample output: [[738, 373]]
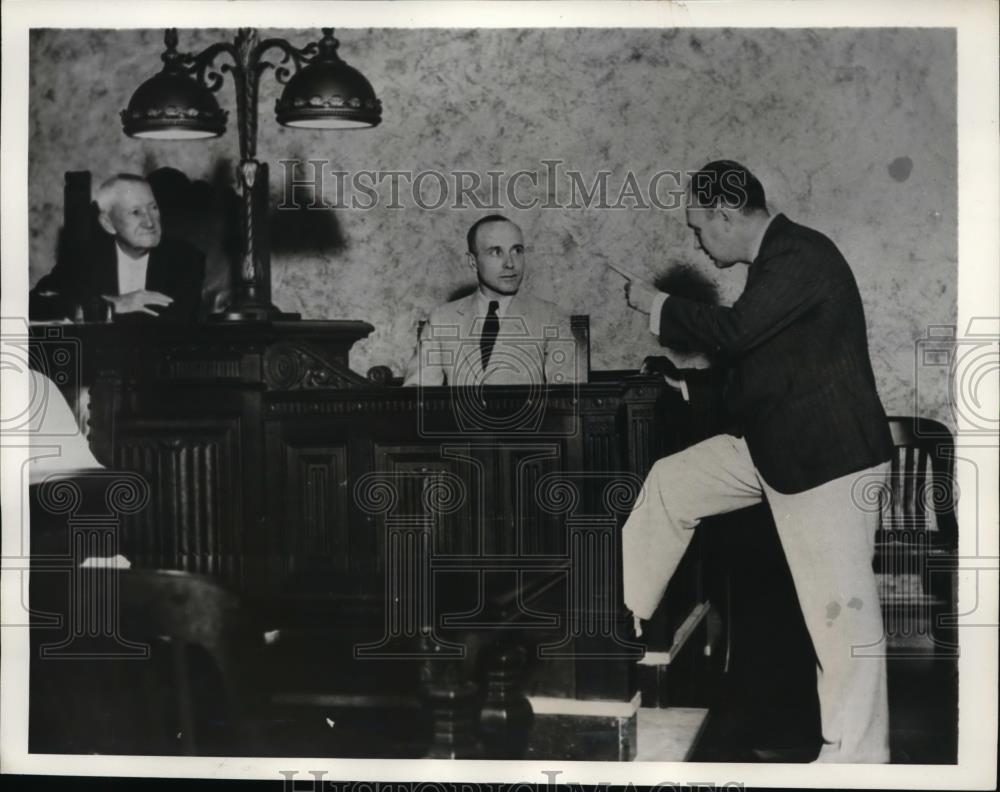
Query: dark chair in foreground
[[916, 562], [175, 677], [917, 542]]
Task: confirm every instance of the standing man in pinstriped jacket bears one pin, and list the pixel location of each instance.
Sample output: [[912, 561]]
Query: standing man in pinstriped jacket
[[807, 432]]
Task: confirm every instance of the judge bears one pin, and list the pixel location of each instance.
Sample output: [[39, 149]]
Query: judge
[[134, 270]]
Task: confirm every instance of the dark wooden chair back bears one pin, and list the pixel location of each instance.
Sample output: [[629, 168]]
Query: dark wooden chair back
[[178, 676], [917, 541], [921, 484], [192, 610]]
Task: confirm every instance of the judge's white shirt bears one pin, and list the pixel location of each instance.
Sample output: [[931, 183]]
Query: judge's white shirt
[[131, 271]]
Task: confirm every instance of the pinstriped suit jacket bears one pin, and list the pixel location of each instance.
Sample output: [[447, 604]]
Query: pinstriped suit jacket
[[799, 383]]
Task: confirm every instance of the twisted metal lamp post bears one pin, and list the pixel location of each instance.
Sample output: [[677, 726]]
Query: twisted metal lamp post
[[321, 92]]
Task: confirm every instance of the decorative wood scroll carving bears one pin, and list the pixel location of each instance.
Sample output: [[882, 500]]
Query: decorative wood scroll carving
[[297, 367]]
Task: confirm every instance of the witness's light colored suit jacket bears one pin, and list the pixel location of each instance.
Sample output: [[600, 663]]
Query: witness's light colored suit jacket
[[534, 346]]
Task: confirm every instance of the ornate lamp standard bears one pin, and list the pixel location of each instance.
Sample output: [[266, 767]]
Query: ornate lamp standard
[[321, 92]]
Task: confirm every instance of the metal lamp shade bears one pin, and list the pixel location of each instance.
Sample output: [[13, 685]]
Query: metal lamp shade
[[328, 94], [173, 106]]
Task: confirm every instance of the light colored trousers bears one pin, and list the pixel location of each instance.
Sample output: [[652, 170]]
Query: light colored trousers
[[827, 534]]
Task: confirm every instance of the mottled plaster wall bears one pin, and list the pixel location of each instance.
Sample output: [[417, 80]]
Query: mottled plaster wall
[[852, 131]]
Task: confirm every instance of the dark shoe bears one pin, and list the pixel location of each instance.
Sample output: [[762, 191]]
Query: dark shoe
[[796, 754]]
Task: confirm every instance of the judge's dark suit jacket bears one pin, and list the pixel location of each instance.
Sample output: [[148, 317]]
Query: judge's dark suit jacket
[[798, 384], [176, 268]]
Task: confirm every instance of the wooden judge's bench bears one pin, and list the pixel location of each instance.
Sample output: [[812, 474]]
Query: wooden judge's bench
[[451, 554]]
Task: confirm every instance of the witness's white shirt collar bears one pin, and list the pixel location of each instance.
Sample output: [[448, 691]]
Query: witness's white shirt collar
[[483, 304], [131, 271]]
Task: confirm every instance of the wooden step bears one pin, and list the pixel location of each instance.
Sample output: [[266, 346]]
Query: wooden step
[[668, 735]]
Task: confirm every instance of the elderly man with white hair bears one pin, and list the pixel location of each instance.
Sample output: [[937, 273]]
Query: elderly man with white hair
[[135, 271]]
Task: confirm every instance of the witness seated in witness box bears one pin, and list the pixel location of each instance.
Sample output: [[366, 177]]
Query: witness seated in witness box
[[498, 335]]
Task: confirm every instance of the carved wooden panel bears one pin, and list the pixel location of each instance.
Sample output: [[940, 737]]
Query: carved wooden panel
[[437, 486], [332, 501], [205, 367], [643, 444], [311, 518], [530, 526], [299, 366], [195, 519]]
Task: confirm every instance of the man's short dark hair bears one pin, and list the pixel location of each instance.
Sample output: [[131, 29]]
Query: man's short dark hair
[[727, 183], [470, 237]]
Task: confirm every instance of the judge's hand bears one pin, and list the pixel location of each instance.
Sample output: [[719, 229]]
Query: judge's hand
[[640, 296], [139, 301]]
